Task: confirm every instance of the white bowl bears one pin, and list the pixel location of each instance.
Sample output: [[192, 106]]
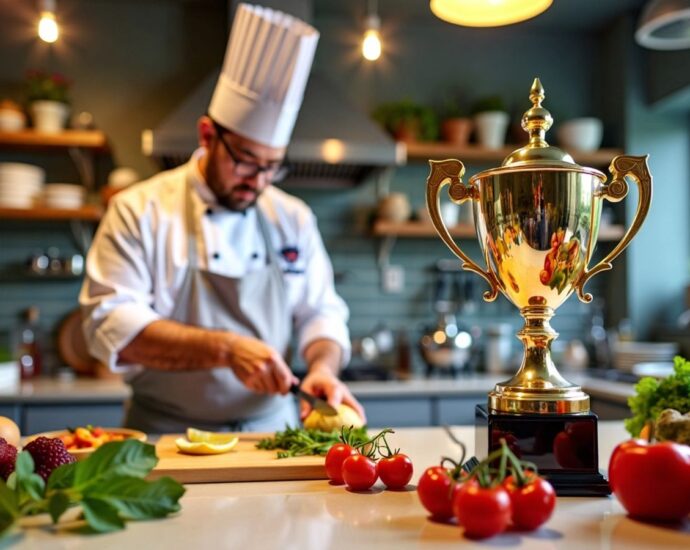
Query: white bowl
[[17, 202], [20, 172], [12, 120], [64, 189], [580, 134]]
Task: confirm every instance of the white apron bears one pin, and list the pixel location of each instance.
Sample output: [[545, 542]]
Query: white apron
[[215, 399]]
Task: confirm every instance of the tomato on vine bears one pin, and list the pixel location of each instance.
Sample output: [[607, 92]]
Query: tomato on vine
[[482, 511], [533, 500], [334, 461]]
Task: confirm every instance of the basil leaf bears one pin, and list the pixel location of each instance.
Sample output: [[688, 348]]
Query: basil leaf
[[118, 458], [62, 477], [29, 486], [101, 516], [57, 504], [9, 507], [136, 498]]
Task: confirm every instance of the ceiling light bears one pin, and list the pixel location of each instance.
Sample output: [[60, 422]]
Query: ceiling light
[[487, 13], [371, 43], [48, 29], [664, 25]]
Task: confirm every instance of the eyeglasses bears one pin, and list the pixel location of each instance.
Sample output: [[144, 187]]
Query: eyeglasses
[[274, 172]]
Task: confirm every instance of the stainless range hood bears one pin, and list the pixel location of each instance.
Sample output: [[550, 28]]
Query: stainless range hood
[[332, 143]]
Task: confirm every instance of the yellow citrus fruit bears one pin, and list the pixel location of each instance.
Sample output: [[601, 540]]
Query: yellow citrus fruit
[[203, 447], [200, 436], [346, 416]]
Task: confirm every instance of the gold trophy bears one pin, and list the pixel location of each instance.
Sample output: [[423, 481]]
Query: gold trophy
[[537, 219]]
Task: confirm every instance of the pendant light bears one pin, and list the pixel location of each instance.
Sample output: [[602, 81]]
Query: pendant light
[[664, 25], [371, 43], [487, 13], [48, 29]]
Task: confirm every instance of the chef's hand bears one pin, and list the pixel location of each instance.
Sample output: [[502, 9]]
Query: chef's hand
[[322, 382], [258, 366]]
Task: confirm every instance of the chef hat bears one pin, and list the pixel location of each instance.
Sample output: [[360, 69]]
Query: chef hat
[[267, 63]]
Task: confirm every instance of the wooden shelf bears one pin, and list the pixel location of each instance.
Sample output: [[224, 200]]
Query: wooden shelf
[[85, 139], [423, 230], [90, 213], [423, 151]]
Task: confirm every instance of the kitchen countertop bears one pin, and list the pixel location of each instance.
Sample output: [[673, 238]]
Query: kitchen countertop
[[309, 515], [52, 390]]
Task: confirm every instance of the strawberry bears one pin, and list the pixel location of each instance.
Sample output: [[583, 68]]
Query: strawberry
[[48, 454], [8, 457]]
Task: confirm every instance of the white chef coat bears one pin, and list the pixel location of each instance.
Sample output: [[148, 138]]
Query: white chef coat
[[138, 260]]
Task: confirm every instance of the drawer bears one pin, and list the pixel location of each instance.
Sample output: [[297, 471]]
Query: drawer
[[398, 413], [457, 410]]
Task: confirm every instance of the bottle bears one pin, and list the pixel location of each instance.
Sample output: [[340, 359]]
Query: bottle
[[28, 344]]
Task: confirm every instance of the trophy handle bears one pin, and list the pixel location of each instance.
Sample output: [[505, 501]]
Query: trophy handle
[[442, 173], [615, 191]]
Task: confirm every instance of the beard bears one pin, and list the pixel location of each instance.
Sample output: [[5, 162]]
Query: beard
[[236, 197]]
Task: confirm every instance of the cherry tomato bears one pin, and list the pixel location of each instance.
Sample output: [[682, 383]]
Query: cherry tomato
[[437, 490], [395, 471], [533, 503], [334, 461], [359, 472], [482, 512], [652, 481]]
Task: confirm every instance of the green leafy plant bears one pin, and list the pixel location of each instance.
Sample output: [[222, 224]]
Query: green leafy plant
[[109, 486], [395, 115], [301, 441], [489, 103], [452, 106], [41, 86], [653, 396]]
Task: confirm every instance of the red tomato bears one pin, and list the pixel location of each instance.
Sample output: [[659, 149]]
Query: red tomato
[[482, 512], [532, 504], [437, 490], [652, 481], [395, 471], [359, 472], [334, 461]]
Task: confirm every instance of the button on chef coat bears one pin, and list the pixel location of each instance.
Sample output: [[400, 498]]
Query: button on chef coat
[[139, 258]]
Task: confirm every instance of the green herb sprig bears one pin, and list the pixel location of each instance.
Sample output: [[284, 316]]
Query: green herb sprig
[[109, 486], [653, 396], [301, 441]]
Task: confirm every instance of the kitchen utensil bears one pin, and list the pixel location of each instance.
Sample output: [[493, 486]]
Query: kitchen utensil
[[446, 346], [317, 403], [244, 463]]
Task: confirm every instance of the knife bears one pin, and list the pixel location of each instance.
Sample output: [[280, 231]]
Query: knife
[[317, 403]]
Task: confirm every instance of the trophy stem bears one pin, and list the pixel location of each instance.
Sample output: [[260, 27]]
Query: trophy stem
[[538, 387]]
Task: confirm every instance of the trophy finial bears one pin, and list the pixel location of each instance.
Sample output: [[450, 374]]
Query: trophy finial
[[537, 120], [536, 93]]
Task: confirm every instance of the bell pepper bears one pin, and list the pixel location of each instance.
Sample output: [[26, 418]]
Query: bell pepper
[[652, 481]]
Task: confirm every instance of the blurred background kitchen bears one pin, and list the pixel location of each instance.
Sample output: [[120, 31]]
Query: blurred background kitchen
[[136, 74]]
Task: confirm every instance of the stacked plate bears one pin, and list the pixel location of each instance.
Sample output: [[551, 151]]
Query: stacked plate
[[628, 354], [20, 184], [63, 195]]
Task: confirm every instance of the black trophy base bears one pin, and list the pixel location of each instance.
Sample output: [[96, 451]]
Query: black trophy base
[[564, 447]]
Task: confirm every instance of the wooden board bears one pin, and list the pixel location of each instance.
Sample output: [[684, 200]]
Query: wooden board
[[244, 463]]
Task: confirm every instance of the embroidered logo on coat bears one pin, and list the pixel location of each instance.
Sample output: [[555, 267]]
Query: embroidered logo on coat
[[290, 254]]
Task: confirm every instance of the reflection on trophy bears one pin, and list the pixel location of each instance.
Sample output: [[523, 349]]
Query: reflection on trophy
[[537, 220]]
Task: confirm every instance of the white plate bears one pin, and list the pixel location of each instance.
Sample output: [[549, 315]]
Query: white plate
[[657, 370]]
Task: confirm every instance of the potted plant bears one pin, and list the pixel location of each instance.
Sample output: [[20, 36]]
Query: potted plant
[[48, 98], [491, 121], [408, 121], [456, 126]]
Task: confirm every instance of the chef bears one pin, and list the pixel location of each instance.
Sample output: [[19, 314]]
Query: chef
[[200, 278]]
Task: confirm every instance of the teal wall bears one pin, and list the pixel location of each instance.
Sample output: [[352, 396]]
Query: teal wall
[[132, 62]]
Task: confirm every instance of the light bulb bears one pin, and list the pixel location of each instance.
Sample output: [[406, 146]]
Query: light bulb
[[371, 45], [48, 29]]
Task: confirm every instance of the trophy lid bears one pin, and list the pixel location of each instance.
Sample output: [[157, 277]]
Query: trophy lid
[[538, 154]]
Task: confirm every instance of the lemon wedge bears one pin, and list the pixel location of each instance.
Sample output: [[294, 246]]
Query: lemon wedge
[[200, 436], [204, 447]]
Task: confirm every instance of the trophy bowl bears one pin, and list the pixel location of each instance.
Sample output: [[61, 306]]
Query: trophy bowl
[[537, 220]]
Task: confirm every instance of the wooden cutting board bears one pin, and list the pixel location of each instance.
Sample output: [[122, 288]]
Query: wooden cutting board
[[244, 463]]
